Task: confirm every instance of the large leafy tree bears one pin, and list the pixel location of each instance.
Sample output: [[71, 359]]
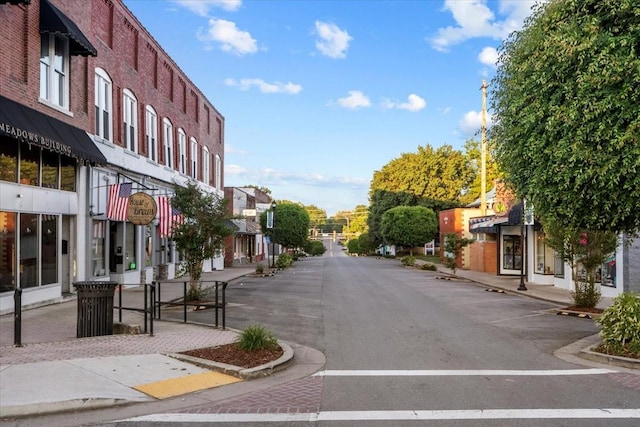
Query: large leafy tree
[[441, 174], [409, 226], [317, 216], [291, 222], [201, 234], [567, 101]]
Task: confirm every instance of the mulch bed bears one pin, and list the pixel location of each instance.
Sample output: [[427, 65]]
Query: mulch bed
[[584, 309], [231, 354]]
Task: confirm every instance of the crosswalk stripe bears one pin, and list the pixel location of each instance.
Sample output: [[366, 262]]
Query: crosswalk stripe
[[472, 372], [405, 415]]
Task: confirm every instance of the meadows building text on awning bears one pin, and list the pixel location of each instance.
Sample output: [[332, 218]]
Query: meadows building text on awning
[[33, 127]]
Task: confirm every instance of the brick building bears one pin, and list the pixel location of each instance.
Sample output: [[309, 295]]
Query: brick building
[[93, 110]]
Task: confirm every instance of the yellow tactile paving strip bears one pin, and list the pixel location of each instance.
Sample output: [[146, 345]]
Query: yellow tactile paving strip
[[182, 385]]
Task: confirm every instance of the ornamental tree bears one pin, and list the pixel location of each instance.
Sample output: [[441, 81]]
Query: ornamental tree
[[409, 226], [566, 98], [202, 232]]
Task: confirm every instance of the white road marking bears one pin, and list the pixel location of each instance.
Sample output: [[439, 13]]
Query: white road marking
[[417, 415], [442, 373]]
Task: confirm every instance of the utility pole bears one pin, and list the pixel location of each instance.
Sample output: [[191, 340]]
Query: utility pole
[[483, 153]]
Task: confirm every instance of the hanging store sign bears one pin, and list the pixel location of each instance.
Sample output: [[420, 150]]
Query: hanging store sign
[[142, 209]]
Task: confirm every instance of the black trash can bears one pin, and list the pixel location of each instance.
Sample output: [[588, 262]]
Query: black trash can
[[95, 308]]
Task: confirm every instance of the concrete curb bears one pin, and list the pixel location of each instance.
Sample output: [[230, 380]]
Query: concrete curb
[[607, 359], [245, 373]]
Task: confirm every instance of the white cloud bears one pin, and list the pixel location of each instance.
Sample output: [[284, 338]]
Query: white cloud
[[229, 149], [230, 38], [475, 19], [269, 176], [356, 99], [444, 111], [414, 103], [471, 123], [264, 87], [202, 7], [332, 41], [489, 56]]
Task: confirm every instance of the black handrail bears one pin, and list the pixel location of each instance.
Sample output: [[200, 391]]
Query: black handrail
[[219, 303], [17, 317]]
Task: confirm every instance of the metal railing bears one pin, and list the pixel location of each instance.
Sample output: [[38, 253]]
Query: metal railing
[[219, 302]]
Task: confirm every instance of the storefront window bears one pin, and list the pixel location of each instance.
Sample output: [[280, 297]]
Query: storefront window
[[67, 174], [29, 165], [148, 246], [50, 169], [49, 249], [544, 255], [98, 248], [512, 258], [7, 251], [9, 160], [608, 272], [28, 250], [558, 267], [130, 247]]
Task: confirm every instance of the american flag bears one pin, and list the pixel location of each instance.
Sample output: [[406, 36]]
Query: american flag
[[118, 201], [168, 216]]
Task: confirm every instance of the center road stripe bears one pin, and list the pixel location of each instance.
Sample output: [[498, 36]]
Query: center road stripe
[[417, 415], [442, 373], [187, 384]]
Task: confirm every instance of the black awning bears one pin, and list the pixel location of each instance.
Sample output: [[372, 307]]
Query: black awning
[[28, 125], [52, 20]]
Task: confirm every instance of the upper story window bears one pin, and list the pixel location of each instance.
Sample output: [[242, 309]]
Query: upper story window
[[194, 158], [104, 105], [167, 131], [182, 151], [130, 121], [54, 69], [206, 173], [151, 132], [218, 172]]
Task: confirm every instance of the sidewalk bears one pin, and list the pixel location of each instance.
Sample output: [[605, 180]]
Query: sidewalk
[[54, 371]]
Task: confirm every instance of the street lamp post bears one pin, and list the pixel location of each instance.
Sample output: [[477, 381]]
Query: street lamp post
[[522, 286], [273, 234]]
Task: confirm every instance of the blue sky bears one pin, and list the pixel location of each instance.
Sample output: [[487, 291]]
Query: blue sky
[[317, 95]]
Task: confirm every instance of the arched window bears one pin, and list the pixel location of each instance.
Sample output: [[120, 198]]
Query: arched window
[[182, 151], [130, 121], [167, 133], [194, 158], [151, 133]]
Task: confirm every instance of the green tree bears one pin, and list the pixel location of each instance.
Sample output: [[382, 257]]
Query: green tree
[[409, 226], [201, 235], [566, 97], [585, 252], [365, 244], [473, 154], [291, 222], [453, 245], [358, 220], [317, 216], [442, 174]]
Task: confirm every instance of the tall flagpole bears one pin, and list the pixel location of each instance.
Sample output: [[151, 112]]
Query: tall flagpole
[[483, 153]]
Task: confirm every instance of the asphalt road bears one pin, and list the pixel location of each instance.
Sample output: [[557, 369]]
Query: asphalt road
[[404, 347]]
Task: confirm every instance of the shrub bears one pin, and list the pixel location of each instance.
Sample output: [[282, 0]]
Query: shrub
[[196, 293], [586, 294], [256, 337], [429, 267], [408, 260], [259, 268], [284, 261], [620, 324], [316, 247]]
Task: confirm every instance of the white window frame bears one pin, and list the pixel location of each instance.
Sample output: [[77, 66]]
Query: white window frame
[[129, 121], [103, 105], [206, 172], [218, 172], [194, 157], [54, 70], [182, 151], [151, 133], [167, 129]]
